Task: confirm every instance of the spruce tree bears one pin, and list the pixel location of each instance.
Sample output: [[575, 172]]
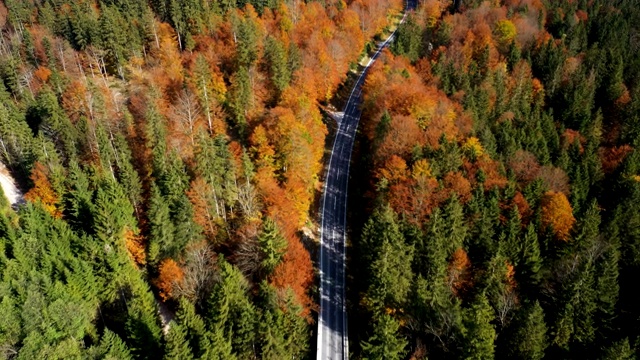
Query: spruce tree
[[479, 333], [385, 342], [177, 347], [528, 339], [272, 245]]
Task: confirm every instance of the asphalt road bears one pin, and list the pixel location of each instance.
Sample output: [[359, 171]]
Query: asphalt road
[[333, 340]]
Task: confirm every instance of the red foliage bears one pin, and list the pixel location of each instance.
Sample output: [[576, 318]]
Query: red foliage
[[612, 157], [523, 207]]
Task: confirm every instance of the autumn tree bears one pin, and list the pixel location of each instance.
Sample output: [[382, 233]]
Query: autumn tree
[[42, 191], [557, 214], [170, 274]]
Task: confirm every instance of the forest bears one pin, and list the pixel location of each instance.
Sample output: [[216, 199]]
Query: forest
[[498, 149], [169, 152]]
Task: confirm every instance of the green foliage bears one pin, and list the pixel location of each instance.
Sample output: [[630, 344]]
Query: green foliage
[[479, 333], [272, 245], [385, 342], [390, 262], [528, 340], [408, 40]]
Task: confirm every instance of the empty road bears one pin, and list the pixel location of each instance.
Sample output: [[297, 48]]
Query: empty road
[[333, 341]]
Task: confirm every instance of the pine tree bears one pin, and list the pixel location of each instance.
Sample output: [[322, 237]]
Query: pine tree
[[530, 261], [271, 330], [272, 244], [455, 227], [161, 226], [390, 265], [619, 350], [193, 326], [111, 347], [240, 94], [177, 347], [529, 340], [231, 310], [276, 58], [385, 341], [479, 334], [186, 231]]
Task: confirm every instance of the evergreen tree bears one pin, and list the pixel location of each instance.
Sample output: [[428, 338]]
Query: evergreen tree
[[161, 226], [276, 58], [619, 350], [385, 341], [390, 266], [111, 347], [272, 244], [177, 347], [528, 339], [479, 333]]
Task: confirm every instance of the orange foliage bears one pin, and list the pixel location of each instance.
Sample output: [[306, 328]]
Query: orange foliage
[[42, 192], [557, 213], [295, 272], [403, 135], [263, 150], [203, 212], [415, 199], [456, 183], [170, 274], [136, 247], [75, 100], [458, 271], [493, 175], [42, 74], [394, 170]]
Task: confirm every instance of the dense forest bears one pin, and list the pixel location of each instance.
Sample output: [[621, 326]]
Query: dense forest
[[499, 152], [169, 152]]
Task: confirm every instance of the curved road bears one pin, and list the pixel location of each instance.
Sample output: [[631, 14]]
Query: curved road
[[333, 341]]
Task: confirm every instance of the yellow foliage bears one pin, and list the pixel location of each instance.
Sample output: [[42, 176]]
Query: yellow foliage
[[421, 169], [505, 31], [473, 146], [423, 112]]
